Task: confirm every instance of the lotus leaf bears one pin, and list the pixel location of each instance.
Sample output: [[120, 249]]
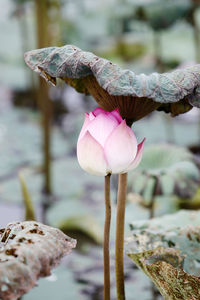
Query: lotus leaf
[[135, 95], [29, 250], [167, 250], [68, 218], [174, 168]]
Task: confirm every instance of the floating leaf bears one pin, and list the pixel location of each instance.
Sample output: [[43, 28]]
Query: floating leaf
[[167, 249], [135, 95], [68, 218], [29, 250], [173, 166], [162, 158], [85, 224]]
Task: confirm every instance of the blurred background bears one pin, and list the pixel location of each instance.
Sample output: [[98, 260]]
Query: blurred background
[[40, 124]]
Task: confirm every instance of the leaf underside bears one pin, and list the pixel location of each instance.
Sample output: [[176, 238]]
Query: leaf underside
[[136, 95]]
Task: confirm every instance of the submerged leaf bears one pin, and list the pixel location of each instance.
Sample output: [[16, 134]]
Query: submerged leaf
[[29, 250], [167, 249], [111, 86]]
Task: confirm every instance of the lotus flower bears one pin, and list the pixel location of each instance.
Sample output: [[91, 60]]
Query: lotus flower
[[106, 145]]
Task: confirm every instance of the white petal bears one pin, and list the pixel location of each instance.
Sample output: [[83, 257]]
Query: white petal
[[84, 127], [138, 157], [91, 155]]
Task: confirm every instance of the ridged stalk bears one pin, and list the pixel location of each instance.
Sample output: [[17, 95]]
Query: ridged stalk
[[106, 245], [119, 244]]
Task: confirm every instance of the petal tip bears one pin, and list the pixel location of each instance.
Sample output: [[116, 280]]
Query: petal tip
[[142, 143], [144, 139], [98, 111], [116, 114]]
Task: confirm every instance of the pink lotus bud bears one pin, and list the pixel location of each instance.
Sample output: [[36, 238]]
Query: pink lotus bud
[[107, 145]]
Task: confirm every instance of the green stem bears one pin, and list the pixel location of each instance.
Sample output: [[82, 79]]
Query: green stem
[[55, 20], [151, 216], [158, 51], [196, 33], [42, 21], [106, 247], [170, 132], [47, 117], [119, 245], [154, 193]]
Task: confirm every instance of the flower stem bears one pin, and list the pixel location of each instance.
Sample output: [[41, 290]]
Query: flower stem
[[106, 251], [119, 244]]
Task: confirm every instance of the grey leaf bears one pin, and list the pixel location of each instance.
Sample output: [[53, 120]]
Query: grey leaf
[[167, 250], [111, 86], [29, 250]]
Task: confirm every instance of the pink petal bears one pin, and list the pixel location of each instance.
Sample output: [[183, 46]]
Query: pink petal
[[120, 148], [84, 127], [117, 115], [98, 111], [101, 127], [91, 156], [138, 157], [113, 116]]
